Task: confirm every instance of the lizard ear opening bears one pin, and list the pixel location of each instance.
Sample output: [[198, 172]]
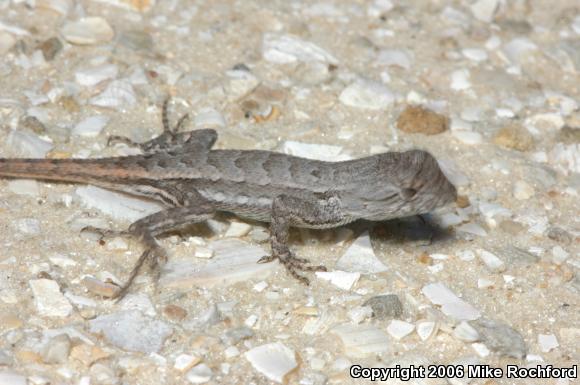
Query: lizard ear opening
[[408, 193]]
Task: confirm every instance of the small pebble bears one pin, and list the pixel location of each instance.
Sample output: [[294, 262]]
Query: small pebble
[[501, 338], [48, 299], [522, 190], [514, 137], [417, 119], [367, 94], [174, 313], [385, 306], [132, 331], [237, 230], [50, 48], [57, 350]]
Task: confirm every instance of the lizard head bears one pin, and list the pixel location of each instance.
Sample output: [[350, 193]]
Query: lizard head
[[418, 181]]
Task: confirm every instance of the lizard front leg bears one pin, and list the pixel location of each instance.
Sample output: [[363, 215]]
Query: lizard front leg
[[146, 229], [287, 211]]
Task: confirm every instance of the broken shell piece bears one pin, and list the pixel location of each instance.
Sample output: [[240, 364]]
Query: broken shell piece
[[268, 114], [209, 118], [362, 340], [426, 329], [399, 329], [341, 279], [88, 31], [98, 287], [274, 360]]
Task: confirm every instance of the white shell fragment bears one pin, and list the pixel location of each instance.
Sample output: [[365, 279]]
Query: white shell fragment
[[209, 118], [290, 49], [48, 299], [91, 76], [342, 279], [132, 331], [468, 137], [465, 332], [117, 205], [491, 261], [184, 362], [518, 49], [426, 329], [399, 329], [547, 342], [118, 94], [274, 360], [91, 126], [28, 144], [367, 94], [237, 230], [324, 152], [451, 305], [88, 31], [360, 257], [522, 190], [362, 340], [233, 261], [460, 80], [391, 57], [484, 10], [565, 158]]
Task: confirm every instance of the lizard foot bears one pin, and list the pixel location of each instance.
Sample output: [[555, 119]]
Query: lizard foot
[[293, 265], [155, 256]]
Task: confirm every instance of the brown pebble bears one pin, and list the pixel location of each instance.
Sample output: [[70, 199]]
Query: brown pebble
[[425, 259], [514, 137], [462, 201], [33, 124], [417, 119], [87, 354], [174, 312], [50, 48], [569, 135], [512, 227]]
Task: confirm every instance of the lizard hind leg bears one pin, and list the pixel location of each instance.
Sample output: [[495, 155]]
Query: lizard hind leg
[[146, 229], [171, 139]]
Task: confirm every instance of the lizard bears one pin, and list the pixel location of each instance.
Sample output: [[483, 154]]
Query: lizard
[[193, 181]]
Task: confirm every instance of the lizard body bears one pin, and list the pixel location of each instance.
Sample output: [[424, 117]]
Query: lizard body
[[182, 171]]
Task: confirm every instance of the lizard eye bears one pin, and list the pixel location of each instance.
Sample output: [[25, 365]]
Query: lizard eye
[[408, 193]]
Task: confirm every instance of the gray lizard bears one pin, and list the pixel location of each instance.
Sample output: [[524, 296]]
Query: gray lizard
[[181, 170]]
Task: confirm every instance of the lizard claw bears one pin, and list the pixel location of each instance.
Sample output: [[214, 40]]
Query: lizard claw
[[267, 259], [103, 233], [293, 265], [114, 139]]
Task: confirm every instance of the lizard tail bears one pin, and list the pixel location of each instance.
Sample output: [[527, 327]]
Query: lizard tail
[[72, 170]]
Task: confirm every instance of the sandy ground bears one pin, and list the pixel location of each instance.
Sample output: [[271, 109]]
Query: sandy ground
[[493, 281]]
